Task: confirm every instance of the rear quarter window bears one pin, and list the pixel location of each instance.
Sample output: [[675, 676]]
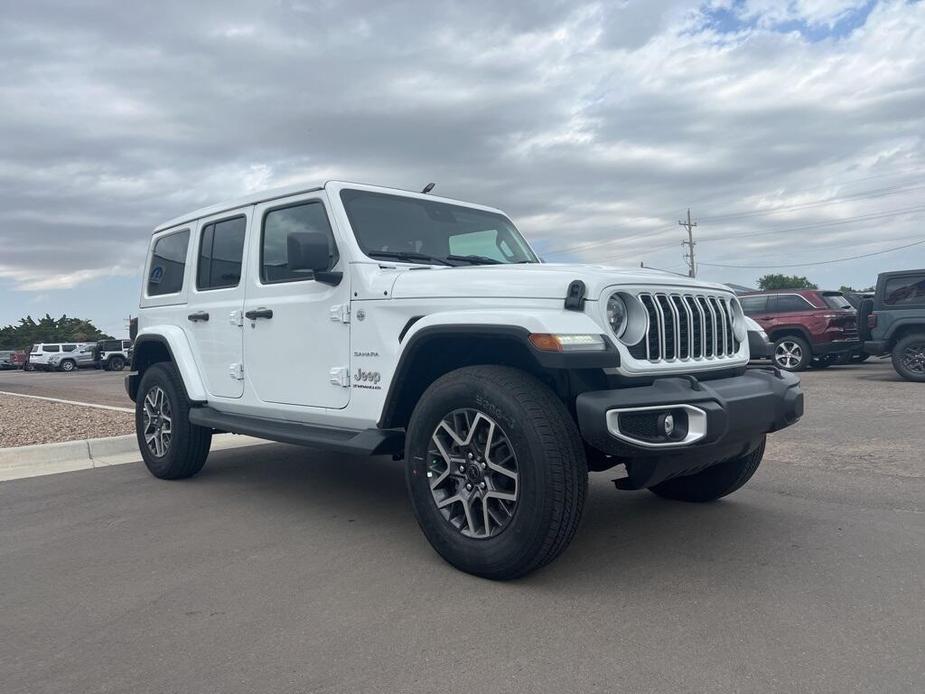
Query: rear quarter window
[[900, 291], [168, 264]]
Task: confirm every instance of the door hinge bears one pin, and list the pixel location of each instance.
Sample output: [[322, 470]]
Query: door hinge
[[341, 312], [340, 376], [236, 318], [236, 371]]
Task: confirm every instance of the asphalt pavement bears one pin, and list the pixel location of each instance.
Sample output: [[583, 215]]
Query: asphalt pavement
[[84, 385], [281, 569]]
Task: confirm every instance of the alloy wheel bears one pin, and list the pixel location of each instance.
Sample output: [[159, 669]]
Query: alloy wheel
[[788, 355], [913, 357], [158, 425], [472, 473]]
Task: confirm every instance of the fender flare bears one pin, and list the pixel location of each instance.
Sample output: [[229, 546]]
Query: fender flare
[[503, 326], [900, 324], [775, 333], [174, 340]]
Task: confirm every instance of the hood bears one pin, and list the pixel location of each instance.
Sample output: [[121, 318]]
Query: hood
[[530, 280]]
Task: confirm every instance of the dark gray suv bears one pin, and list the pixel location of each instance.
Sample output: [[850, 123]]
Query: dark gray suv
[[893, 322]]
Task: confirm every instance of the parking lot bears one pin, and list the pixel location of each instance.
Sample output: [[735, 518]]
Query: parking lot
[[281, 569]]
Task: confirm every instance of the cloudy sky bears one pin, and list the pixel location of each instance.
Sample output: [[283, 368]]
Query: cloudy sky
[[793, 130]]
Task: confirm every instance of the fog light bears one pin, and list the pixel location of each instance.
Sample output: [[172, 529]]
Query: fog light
[[666, 424]]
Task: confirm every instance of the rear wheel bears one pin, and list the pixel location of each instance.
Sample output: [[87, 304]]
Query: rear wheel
[[714, 482], [792, 353], [67, 365], [909, 357], [116, 364], [171, 447], [496, 471]]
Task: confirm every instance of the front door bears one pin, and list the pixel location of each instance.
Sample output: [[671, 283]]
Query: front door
[[296, 328], [213, 321]]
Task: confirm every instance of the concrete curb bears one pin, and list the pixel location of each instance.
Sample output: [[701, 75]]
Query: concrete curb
[[87, 454]]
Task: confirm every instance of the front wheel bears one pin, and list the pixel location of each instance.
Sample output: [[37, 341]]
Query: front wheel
[[171, 447], [909, 357], [496, 471], [714, 482]]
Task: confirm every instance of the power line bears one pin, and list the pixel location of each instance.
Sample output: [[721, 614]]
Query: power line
[[821, 262], [877, 193]]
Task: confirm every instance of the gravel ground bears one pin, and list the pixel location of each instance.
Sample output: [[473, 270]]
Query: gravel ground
[[26, 421]]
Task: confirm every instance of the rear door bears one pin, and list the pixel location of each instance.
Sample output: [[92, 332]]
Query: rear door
[[787, 310], [213, 320]]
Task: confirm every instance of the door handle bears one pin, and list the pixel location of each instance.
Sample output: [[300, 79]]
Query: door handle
[[254, 314], [198, 316]]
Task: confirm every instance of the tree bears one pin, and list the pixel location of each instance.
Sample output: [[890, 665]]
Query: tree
[[48, 329], [845, 289], [784, 282]]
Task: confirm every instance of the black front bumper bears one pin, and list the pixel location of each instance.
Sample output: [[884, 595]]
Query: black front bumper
[[739, 411]]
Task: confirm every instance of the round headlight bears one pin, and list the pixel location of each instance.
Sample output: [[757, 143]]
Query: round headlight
[[616, 314]]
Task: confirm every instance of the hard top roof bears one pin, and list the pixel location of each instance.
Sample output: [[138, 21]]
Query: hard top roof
[[287, 191]]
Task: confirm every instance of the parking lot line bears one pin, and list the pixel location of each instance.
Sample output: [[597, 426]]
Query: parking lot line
[[68, 402]]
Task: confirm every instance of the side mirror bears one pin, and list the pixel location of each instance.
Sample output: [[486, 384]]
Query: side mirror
[[308, 250]]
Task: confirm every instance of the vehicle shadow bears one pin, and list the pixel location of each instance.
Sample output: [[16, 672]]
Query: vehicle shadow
[[626, 538]]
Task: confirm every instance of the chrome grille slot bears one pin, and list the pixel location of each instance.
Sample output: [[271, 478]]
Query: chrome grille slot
[[686, 327]]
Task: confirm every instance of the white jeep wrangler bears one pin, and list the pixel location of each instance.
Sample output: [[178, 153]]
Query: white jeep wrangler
[[429, 330]]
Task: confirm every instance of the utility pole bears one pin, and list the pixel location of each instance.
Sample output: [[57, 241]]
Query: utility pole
[[689, 255]]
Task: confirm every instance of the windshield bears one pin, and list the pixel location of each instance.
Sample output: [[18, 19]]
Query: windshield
[[836, 300], [425, 231]]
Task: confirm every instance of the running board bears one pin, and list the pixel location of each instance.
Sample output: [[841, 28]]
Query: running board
[[355, 441]]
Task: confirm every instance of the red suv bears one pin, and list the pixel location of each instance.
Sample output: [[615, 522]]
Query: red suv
[[806, 326]]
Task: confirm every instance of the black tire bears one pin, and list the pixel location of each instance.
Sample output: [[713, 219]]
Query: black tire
[[188, 446], [67, 365], [714, 482], [115, 364], [909, 357], [793, 344], [550, 463]]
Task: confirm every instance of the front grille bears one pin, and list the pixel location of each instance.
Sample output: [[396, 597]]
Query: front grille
[[686, 326]]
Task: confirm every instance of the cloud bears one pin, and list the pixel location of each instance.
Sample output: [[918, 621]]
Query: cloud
[[594, 124]]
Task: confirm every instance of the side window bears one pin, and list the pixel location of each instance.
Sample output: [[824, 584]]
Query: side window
[[168, 262], [68, 348], [220, 251], [754, 304], [904, 290], [51, 348], [791, 303], [277, 225]]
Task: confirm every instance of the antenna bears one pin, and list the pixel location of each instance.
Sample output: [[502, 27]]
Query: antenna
[[429, 187]]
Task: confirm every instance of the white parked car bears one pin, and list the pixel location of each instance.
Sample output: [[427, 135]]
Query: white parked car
[[62, 356], [428, 329]]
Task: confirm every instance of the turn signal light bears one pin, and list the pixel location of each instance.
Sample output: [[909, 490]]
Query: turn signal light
[[546, 342]]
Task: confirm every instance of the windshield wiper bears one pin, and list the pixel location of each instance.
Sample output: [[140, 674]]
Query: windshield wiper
[[475, 259], [410, 256]]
